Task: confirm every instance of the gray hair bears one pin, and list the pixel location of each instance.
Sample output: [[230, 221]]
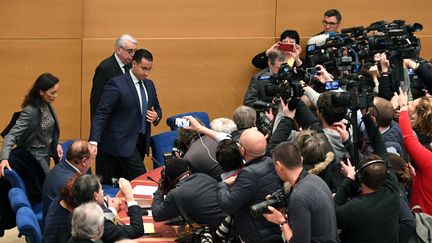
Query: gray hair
[[223, 124], [244, 117], [276, 55], [87, 221], [120, 42]]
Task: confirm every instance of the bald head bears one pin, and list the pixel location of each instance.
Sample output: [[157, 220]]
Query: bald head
[[254, 144]]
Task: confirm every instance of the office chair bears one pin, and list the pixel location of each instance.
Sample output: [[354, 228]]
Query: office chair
[[162, 144], [28, 225], [18, 199]]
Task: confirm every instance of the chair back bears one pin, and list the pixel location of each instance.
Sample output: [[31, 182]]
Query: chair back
[[162, 144], [14, 179], [28, 225], [18, 199], [203, 116]]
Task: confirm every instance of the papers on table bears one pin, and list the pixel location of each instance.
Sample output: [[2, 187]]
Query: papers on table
[[144, 190], [149, 228]]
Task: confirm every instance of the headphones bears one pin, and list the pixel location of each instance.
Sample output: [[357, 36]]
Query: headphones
[[360, 171]]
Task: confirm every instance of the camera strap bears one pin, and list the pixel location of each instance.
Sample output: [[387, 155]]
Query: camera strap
[[183, 213]]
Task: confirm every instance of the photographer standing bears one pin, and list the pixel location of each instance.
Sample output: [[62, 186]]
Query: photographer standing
[[310, 212]]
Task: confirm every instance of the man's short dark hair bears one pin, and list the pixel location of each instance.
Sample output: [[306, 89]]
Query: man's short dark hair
[[84, 188], [228, 155], [373, 175], [329, 112], [382, 111], [288, 154], [142, 53], [291, 34], [334, 12]]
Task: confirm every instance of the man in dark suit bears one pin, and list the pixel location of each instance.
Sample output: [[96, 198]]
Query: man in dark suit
[[79, 159], [121, 126], [117, 64]]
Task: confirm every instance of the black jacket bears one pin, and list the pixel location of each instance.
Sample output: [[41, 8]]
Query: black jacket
[[113, 232], [197, 195], [106, 70], [254, 182]]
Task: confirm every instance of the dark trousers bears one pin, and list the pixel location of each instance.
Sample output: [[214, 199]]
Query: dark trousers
[[109, 166]]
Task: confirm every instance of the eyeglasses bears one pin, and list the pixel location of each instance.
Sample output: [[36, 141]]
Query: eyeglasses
[[129, 51], [329, 23]]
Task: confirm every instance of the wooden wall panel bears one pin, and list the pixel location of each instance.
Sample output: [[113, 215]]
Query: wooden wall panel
[[22, 61], [40, 19], [190, 75], [178, 18], [306, 18]]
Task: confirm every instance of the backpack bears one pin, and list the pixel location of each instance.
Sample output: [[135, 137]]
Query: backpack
[[423, 226]]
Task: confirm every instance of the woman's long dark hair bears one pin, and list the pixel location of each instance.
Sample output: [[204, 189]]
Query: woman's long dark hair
[[44, 82]]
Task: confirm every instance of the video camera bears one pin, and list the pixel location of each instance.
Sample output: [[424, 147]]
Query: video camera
[[350, 49], [285, 84], [358, 95], [395, 38]]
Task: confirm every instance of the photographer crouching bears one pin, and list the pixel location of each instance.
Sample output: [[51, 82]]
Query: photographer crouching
[[186, 194], [309, 213]]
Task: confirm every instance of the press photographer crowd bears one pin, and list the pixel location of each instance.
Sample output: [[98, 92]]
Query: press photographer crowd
[[330, 148], [331, 144]]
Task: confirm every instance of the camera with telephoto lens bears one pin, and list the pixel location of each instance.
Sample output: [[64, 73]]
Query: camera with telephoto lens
[[276, 200]]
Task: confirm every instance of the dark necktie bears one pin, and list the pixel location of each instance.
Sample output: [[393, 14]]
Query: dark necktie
[[126, 68], [144, 107]]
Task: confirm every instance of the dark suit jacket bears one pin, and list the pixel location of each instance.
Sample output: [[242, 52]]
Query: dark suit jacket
[[54, 182], [113, 232], [117, 121], [106, 70]]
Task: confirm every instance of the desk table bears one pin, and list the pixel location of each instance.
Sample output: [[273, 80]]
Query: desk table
[[164, 233]]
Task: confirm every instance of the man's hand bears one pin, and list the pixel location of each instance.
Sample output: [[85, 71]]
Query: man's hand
[[230, 180], [323, 76], [113, 203], [4, 164], [341, 129], [152, 115], [59, 151], [274, 216], [348, 170], [194, 124], [287, 112], [126, 189]]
